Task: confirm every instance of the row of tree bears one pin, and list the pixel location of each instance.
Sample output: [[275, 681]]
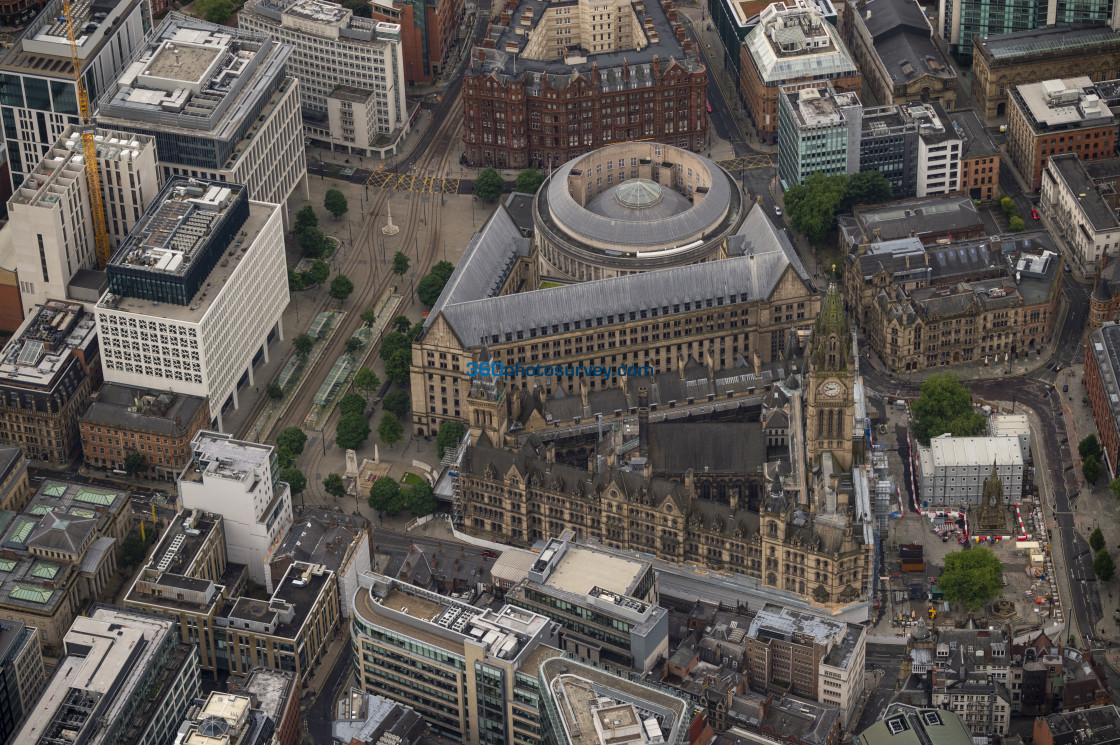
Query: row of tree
[[489, 184], [812, 205]]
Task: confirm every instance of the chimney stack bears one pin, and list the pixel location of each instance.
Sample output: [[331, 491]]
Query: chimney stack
[[643, 422]]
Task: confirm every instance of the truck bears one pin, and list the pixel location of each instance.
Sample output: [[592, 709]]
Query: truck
[[911, 551], [913, 565]]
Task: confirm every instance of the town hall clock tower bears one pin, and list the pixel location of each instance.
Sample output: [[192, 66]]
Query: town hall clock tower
[[830, 386]]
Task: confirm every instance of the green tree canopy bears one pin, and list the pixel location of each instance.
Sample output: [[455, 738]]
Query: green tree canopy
[[972, 577], [443, 270], [401, 263], [383, 492], [1007, 204], [334, 485], [295, 479], [215, 11], [450, 435], [335, 202], [420, 499], [134, 464], [351, 431], [401, 324], [1114, 485], [944, 406], [1096, 539], [341, 287], [302, 344], [369, 316], [366, 381], [274, 391], [351, 403], [353, 344], [528, 181], [1090, 446], [392, 343], [318, 273], [284, 457], [398, 402], [390, 430], [867, 187], [398, 368], [292, 438], [295, 281], [305, 218], [415, 331], [429, 289], [1104, 566], [313, 242], [1091, 470], [1016, 224], [134, 550], [360, 7], [488, 185], [812, 205]]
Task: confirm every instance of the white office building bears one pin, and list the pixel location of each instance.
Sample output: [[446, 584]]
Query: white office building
[[38, 99], [1076, 212], [350, 70], [195, 294], [939, 150], [220, 103], [50, 216], [241, 482], [952, 470]]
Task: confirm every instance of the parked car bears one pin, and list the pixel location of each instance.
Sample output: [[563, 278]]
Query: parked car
[[709, 108], [490, 553], [777, 210], [1034, 214]]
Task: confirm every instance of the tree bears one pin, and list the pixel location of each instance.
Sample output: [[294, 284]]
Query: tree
[[401, 324], [443, 270], [351, 403], [284, 457], [393, 343], [334, 485], [399, 367], [369, 317], [1090, 446], [313, 242], [1008, 206], [528, 181], [488, 185], [420, 499], [1016, 224], [215, 11], [302, 345], [397, 402], [867, 187], [396, 504], [306, 218], [944, 406], [292, 438], [1104, 566], [390, 430], [1091, 470], [429, 288], [1096, 540], [295, 281], [352, 431], [812, 205], [335, 202], [274, 391], [366, 381], [1114, 485], [450, 435], [400, 263], [383, 492], [415, 331], [295, 479], [360, 7], [353, 344], [341, 287], [134, 550], [972, 577], [134, 464], [318, 273]]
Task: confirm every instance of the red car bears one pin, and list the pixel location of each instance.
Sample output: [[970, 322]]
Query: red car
[[490, 553], [709, 108], [1034, 214]]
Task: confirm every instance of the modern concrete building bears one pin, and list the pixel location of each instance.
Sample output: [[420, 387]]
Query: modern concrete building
[[632, 58], [471, 673], [276, 694], [350, 69], [38, 99], [22, 676], [791, 45], [225, 719], [818, 130], [221, 104], [583, 705], [893, 44], [1102, 384], [979, 156], [123, 678], [158, 425], [52, 204], [240, 481], [952, 470], [1054, 117], [47, 371], [607, 605], [1076, 211], [967, 22], [633, 207], [430, 33], [196, 293], [888, 143]]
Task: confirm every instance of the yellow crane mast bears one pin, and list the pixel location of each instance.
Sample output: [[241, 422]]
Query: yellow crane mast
[[89, 147]]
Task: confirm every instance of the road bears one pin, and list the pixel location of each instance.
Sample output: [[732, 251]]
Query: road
[[319, 717]]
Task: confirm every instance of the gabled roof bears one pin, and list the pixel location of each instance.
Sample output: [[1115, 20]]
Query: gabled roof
[[882, 17]]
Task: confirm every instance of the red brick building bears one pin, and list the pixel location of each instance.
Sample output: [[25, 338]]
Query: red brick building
[[1102, 384], [427, 38], [544, 96]]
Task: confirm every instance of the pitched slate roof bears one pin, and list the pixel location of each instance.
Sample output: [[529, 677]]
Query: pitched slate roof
[[62, 533]]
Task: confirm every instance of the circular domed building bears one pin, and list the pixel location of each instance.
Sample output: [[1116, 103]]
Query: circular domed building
[[633, 207]]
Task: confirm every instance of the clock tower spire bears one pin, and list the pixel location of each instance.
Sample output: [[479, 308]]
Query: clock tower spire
[[831, 382]]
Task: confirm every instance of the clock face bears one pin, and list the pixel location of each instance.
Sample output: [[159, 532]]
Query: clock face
[[831, 388]]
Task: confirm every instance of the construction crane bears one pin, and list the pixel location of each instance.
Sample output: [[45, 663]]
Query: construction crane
[[89, 146]]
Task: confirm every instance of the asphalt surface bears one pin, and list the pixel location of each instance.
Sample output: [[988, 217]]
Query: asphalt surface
[[320, 715], [888, 658]]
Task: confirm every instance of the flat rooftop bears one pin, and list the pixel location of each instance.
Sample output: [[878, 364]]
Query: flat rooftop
[[272, 689], [1072, 171], [816, 108], [44, 343], [581, 569], [219, 455], [44, 49], [142, 410], [975, 451], [1062, 104]]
